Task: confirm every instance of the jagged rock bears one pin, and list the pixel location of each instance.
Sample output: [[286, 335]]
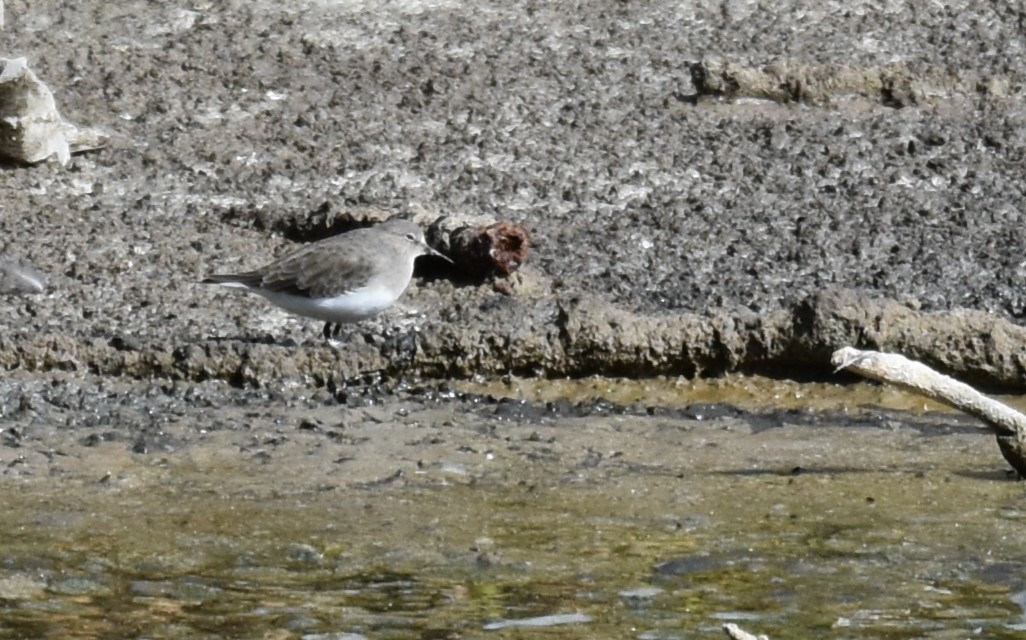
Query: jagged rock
[[31, 128]]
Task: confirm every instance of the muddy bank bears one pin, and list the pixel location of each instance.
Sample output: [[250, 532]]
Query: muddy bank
[[530, 334], [708, 188], [111, 435], [686, 217]]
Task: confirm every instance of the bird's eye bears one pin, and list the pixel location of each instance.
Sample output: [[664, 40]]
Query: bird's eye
[[411, 237]]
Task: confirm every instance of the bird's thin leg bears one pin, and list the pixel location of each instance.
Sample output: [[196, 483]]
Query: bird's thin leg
[[327, 331]]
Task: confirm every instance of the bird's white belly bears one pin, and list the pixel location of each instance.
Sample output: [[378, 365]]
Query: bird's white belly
[[350, 307]]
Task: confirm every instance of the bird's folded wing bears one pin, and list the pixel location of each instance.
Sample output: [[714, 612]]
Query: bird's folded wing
[[315, 274]]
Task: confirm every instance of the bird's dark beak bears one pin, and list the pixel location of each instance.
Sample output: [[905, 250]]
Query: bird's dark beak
[[431, 252]]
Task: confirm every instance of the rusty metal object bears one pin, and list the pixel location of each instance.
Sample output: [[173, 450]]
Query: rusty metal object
[[496, 249]]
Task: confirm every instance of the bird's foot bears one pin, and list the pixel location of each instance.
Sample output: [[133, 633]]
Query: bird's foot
[[337, 345], [331, 332]]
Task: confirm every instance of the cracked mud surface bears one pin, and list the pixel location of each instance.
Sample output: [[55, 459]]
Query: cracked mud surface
[[707, 189], [663, 176]]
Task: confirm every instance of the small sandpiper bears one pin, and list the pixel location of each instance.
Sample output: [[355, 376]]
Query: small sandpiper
[[17, 276], [342, 279]]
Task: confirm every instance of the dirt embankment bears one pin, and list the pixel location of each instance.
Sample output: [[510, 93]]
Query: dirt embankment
[[706, 190]]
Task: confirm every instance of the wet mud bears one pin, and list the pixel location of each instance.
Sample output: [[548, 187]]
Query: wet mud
[[440, 511]]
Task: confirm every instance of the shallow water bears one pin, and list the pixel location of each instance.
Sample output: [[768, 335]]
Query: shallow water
[[750, 392], [596, 526]]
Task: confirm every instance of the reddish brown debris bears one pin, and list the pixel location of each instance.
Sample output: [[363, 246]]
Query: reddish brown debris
[[495, 249]]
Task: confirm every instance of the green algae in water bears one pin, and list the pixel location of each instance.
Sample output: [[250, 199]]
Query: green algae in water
[[894, 574], [650, 526]]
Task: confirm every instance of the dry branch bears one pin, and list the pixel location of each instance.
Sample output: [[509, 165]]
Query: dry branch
[[1006, 423]]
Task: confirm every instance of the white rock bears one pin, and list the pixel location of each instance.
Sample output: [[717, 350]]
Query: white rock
[[31, 128]]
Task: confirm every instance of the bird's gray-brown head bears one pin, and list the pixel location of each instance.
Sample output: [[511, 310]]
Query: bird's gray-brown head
[[413, 235]]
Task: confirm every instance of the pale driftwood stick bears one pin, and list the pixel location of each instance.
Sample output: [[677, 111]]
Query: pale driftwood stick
[[1005, 422], [738, 633], [921, 379]]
